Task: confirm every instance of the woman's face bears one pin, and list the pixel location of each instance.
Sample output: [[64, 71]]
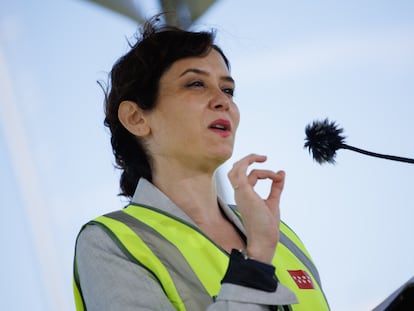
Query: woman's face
[[195, 119]]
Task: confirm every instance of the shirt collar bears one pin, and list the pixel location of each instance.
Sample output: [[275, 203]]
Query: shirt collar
[[148, 194]]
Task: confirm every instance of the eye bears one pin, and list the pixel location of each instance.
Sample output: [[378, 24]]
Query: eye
[[196, 83], [229, 91]]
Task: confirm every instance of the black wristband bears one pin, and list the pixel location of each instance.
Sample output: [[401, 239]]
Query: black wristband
[[250, 273]]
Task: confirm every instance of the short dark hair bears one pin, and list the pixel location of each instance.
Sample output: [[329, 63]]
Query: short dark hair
[[135, 77]]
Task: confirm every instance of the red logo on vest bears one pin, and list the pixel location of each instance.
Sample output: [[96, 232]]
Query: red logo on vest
[[302, 279]]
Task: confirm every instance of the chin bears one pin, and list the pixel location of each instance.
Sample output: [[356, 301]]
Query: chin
[[223, 156], [220, 154]]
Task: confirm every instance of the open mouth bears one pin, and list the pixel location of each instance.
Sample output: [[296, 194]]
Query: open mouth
[[220, 125]]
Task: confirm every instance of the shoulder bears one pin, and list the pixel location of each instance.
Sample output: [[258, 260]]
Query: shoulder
[[94, 235]]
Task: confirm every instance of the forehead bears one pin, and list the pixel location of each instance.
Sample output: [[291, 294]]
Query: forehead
[[212, 63]]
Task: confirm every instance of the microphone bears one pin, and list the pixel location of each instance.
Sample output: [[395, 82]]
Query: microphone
[[324, 138]]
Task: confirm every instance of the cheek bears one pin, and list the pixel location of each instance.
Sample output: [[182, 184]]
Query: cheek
[[236, 116]]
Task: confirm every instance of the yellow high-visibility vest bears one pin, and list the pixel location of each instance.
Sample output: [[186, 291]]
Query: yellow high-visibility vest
[[189, 266]]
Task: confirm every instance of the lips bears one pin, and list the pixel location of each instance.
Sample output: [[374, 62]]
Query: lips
[[221, 126]]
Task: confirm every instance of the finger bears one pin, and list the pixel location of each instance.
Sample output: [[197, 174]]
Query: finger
[[237, 174], [278, 182], [256, 175], [248, 160]]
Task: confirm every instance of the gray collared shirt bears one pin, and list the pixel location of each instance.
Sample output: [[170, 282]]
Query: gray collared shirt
[[110, 281]]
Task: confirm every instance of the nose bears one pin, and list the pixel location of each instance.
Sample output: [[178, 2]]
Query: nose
[[220, 101]]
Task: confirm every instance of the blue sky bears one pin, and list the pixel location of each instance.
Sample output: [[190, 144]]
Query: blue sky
[[293, 62]]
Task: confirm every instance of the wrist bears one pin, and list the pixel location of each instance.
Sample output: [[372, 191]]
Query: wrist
[[263, 254], [250, 273], [244, 253]]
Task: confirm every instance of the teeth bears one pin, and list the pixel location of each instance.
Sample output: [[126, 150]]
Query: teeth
[[220, 127]]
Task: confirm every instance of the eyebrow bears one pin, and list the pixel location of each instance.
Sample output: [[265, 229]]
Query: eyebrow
[[205, 73]]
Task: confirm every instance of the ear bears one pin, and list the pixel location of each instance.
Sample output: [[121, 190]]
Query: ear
[[133, 118]]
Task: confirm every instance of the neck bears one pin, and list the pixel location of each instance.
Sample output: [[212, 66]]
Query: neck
[[192, 190]]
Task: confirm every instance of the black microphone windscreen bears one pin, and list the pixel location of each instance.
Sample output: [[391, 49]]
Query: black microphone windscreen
[[323, 139]]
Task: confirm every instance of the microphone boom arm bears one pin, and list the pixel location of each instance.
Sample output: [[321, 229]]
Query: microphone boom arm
[[378, 155]]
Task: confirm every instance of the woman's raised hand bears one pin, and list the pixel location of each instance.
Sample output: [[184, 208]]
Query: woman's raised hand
[[261, 217]]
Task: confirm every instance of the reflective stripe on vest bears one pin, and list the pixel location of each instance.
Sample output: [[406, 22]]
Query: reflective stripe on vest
[[294, 244], [189, 266], [285, 260], [290, 244]]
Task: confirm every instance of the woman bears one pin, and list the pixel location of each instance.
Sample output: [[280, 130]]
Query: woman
[[177, 246]]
